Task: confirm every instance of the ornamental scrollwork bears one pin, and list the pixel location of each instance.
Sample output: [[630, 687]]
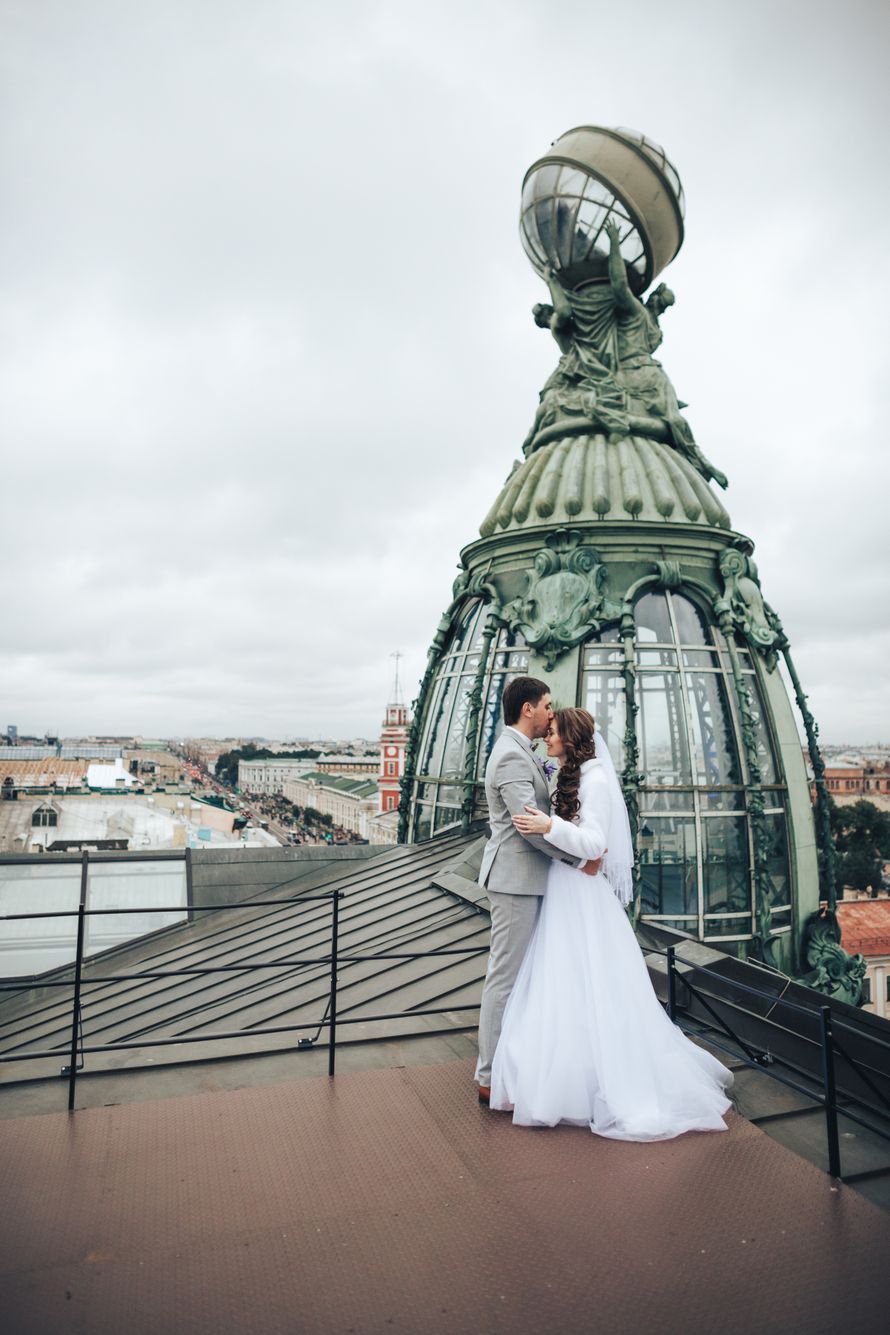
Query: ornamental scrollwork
[[564, 600], [745, 603], [833, 971], [669, 575]]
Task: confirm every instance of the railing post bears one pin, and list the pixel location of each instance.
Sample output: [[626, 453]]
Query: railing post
[[829, 1093], [332, 1013], [672, 983], [78, 968], [189, 898]]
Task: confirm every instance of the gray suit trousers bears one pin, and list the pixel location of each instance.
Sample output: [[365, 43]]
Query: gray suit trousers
[[513, 919]]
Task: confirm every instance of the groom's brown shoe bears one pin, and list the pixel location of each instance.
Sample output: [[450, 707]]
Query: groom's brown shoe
[[484, 1095]]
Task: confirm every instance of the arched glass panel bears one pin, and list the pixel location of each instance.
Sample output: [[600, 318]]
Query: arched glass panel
[[441, 772], [443, 742], [714, 756], [694, 837], [510, 659], [652, 620], [669, 870], [602, 690], [766, 754], [692, 627], [663, 739]]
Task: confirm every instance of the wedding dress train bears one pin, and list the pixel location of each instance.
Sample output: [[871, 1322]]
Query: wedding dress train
[[584, 1038]]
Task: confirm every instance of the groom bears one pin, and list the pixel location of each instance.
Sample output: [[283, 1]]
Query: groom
[[514, 866]]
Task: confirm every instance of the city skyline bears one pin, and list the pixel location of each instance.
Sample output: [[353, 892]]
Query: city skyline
[[269, 356]]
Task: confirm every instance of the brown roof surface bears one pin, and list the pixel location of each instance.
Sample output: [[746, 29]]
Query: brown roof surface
[[41, 773], [389, 1201], [865, 926]]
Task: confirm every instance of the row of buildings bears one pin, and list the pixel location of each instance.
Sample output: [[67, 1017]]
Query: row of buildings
[[359, 793], [71, 767], [848, 781]]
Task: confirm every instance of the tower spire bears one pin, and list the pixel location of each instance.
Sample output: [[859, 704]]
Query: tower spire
[[395, 695], [393, 744]]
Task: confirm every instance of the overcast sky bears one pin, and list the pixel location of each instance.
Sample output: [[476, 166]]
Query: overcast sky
[[267, 354]]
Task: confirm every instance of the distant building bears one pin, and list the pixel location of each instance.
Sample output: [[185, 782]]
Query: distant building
[[154, 767], [865, 929], [857, 780], [40, 774], [270, 776], [122, 818], [393, 746], [351, 766], [350, 802], [109, 776], [384, 828]]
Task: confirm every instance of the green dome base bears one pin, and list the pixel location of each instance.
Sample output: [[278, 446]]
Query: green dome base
[[588, 475]]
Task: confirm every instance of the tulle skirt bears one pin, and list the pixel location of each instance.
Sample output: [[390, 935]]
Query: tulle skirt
[[584, 1037]]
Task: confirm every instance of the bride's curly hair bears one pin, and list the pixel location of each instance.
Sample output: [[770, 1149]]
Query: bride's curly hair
[[575, 727]]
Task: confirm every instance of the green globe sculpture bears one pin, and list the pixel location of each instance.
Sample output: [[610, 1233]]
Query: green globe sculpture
[[591, 177]]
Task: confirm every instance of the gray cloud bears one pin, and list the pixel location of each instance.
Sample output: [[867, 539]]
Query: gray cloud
[[266, 351]]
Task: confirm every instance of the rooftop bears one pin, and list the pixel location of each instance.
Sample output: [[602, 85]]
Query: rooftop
[[341, 783], [865, 925], [583, 475], [388, 1201], [43, 772], [213, 1178]]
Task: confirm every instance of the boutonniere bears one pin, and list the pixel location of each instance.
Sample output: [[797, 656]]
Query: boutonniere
[[548, 766]]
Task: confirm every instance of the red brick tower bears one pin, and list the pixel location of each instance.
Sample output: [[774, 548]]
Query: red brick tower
[[393, 742]]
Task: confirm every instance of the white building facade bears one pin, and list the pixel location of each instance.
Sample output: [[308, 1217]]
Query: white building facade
[[270, 776], [350, 803]]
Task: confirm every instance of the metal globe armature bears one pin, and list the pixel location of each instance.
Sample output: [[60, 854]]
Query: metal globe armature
[[592, 175]]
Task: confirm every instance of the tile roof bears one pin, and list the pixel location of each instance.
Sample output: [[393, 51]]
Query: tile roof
[[865, 926], [42, 773]]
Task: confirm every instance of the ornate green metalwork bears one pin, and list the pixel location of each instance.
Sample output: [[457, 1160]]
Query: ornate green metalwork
[[409, 772], [823, 803], [434, 655], [832, 970], [607, 374], [564, 601], [750, 614], [668, 575], [631, 777], [493, 622], [466, 586], [754, 800]]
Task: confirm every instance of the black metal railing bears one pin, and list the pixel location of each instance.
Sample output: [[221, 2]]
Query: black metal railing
[[823, 1093], [331, 961]]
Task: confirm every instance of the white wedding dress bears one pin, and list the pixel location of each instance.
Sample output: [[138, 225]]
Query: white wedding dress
[[584, 1037]]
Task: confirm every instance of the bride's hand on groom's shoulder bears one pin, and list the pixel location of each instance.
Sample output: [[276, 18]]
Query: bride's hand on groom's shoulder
[[532, 821]]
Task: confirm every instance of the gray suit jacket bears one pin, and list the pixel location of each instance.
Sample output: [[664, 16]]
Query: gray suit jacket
[[514, 864]]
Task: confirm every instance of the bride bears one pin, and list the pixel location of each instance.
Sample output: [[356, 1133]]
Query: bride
[[584, 1038]]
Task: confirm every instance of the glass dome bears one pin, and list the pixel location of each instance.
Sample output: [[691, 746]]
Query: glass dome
[[695, 837], [697, 869], [563, 218], [661, 160], [592, 175]]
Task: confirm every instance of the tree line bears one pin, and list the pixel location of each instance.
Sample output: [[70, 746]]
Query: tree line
[[862, 843], [227, 764]]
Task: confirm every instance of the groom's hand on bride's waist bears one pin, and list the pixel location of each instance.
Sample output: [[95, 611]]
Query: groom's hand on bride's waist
[[594, 867]]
